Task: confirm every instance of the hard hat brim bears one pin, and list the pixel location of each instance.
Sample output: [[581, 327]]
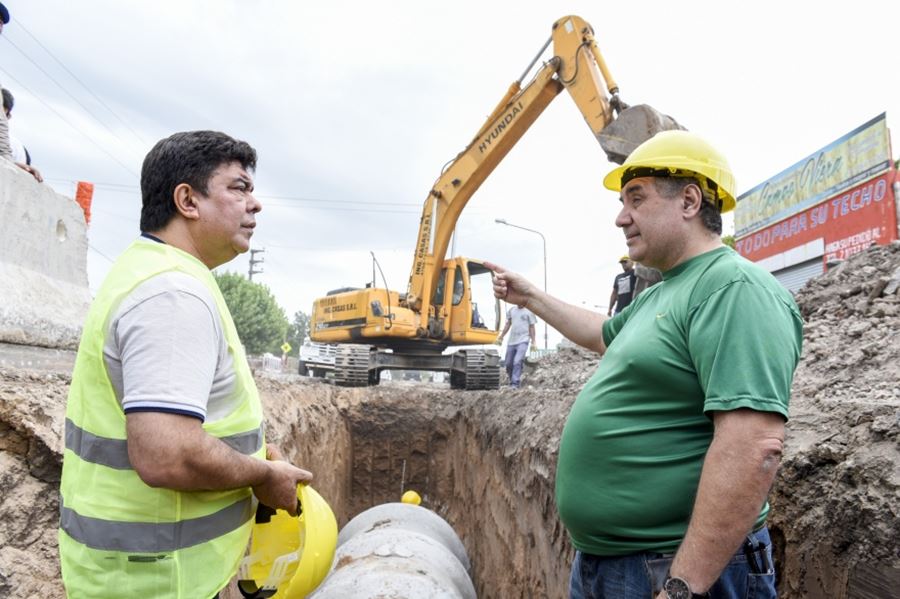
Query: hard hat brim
[[613, 182]]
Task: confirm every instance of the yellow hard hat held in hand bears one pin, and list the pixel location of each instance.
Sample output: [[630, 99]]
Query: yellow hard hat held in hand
[[290, 555]]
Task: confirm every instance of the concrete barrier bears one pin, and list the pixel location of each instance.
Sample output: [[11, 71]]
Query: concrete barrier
[[44, 293], [398, 550]]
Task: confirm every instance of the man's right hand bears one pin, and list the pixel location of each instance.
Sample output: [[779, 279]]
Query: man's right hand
[[279, 489], [510, 286], [31, 171]]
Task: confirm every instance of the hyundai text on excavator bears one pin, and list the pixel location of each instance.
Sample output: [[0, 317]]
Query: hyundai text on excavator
[[378, 329]]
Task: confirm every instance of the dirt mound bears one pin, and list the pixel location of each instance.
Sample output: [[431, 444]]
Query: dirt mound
[[835, 501], [568, 369]]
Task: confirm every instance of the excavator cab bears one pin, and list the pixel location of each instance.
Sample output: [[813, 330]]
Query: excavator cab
[[462, 285]]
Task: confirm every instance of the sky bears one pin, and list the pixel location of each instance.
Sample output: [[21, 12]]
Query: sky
[[354, 107]]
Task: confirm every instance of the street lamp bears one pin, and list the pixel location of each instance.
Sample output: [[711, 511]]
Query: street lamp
[[502, 221]]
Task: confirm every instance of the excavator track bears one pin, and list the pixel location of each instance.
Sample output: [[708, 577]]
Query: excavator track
[[482, 371], [351, 366]]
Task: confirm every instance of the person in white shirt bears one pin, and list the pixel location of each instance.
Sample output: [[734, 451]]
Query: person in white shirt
[[520, 321]]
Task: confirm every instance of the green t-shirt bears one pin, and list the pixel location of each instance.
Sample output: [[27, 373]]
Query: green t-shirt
[[718, 333]]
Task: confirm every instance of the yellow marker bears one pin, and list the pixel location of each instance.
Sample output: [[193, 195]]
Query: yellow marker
[[411, 497]]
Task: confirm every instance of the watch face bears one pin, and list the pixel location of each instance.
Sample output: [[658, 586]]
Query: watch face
[[676, 588]]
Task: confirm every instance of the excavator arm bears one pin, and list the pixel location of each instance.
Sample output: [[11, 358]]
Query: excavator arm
[[576, 66]]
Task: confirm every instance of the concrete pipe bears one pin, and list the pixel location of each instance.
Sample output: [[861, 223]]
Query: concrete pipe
[[398, 550]]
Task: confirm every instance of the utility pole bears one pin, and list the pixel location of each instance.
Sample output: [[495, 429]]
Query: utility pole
[[254, 261]]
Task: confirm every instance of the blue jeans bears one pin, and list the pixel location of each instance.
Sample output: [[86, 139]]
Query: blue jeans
[[515, 358], [641, 575]]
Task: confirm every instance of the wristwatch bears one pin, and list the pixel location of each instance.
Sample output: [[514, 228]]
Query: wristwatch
[[678, 588]]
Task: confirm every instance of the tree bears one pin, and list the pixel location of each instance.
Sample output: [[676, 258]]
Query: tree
[[729, 241], [298, 331], [260, 321]]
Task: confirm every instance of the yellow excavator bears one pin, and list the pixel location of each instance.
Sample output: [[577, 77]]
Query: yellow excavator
[[379, 329]]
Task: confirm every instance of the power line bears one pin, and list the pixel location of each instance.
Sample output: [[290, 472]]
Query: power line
[[305, 199], [20, 25], [126, 188], [66, 121], [325, 249], [336, 209], [111, 261], [131, 187], [129, 219], [67, 92]]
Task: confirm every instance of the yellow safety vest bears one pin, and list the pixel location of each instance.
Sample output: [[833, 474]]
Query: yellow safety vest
[[119, 537]]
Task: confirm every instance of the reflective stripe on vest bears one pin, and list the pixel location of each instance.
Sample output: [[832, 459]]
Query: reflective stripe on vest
[[148, 537], [114, 452]]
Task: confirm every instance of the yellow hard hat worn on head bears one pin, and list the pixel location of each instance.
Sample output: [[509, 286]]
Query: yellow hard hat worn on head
[[624, 258], [674, 154], [290, 556]]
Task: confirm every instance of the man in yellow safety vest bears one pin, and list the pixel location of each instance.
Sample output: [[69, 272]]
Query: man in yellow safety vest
[[164, 439]]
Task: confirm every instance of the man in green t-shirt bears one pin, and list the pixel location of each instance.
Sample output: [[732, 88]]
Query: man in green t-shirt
[[670, 449]]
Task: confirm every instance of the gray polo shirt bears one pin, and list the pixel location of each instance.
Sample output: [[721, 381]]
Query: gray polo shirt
[[165, 350]]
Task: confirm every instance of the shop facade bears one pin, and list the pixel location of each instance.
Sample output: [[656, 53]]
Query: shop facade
[[832, 204]]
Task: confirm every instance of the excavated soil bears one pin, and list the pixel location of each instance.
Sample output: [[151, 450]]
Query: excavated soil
[[485, 461], [836, 502]]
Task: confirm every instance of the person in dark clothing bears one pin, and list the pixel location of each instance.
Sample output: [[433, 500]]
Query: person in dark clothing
[[623, 287]]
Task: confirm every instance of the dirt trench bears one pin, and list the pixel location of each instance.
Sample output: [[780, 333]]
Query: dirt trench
[[364, 447], [483, 461], [486, 461]]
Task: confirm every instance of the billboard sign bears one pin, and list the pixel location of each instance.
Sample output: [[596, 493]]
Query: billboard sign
[[847, 223], [860, 155]]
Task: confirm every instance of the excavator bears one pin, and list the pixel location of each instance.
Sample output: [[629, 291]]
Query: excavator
[[377, 329]]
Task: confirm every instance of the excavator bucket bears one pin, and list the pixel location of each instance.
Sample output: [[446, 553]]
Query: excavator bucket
[[631, 128]]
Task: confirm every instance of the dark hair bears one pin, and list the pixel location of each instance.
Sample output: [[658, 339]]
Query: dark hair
[[669, 187], [188, 157], [8, 100]]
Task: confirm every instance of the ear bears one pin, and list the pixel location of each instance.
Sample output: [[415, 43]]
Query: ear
[[186, 201], [691, 200]]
